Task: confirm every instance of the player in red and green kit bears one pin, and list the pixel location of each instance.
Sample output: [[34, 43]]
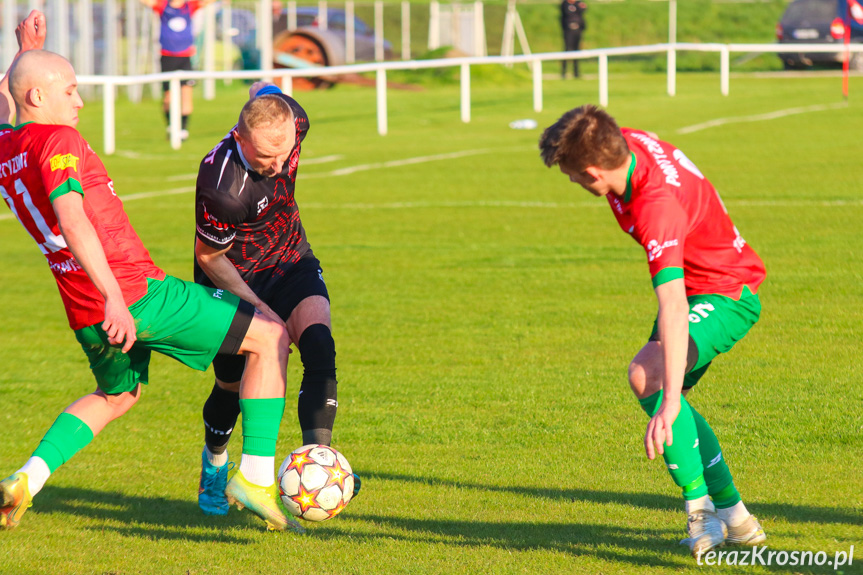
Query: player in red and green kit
[[120, 305], [706, 279]]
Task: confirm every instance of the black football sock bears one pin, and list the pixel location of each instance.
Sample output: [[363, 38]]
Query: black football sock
[[220, 416], [317, 403]]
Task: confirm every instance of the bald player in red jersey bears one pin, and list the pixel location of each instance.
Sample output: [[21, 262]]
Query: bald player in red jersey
[[119, 303], [706, 279]]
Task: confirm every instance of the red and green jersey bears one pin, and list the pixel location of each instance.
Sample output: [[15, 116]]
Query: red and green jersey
[[38, 164], [676, 215]]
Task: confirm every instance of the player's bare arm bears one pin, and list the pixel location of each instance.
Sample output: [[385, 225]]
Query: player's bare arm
[[225, 276], [673, 327], [31, 36], [84, 243]]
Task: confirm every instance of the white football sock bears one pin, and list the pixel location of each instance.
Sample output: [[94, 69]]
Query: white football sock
[[734, 515], [216, 460], [37, 474], [700, 504], [258, 469]]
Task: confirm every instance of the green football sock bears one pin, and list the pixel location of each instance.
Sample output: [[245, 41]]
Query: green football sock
[[682, 457], [66, 437], [261, 420], [720, 483]]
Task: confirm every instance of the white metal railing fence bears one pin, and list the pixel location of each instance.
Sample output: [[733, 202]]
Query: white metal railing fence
[[109, 83]]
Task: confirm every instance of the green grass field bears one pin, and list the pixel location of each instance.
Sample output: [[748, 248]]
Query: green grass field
[[485, 311]]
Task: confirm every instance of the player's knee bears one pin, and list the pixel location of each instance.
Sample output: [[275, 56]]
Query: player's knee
[[268, 336], [318, 351], [120, 403], [637, 378]]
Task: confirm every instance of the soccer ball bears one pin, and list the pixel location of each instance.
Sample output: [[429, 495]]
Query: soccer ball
[[315, 482]]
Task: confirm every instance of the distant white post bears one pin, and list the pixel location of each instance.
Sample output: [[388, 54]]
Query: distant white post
[[265, 32], [109, 32], [406, 30], [465, 93], [350, 33], [381, 88], [603, 80], [724, 69], [434, 25], [537, 86], [379, 31], [61, 16], [479, 47], [84, 48], [210, 50], [292, 14], [108, 130], [133, 91], [672, 47], [322, 15], [10, 21], [227, 39], [174, 113]]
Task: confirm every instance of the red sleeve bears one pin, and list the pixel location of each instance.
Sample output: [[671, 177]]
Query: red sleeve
[[61, 162], [661, 229], [194, 6], [160, 6]]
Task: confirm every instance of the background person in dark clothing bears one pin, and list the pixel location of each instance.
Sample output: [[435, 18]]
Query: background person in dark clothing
[[572, 22]]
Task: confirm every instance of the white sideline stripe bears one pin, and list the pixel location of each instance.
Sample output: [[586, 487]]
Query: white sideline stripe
[[761, 117]]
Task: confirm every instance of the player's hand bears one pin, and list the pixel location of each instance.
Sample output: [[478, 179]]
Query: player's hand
[[659, 428], [31, 32], [268, 311], [257, 87], [119, 325]]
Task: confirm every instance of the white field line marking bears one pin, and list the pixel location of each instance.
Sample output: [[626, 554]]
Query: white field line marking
[[397, 163], [761, 117], [322, 159], [306, 162]]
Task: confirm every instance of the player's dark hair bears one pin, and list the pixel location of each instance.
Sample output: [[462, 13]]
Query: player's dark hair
[[584, 136], [262, 112]]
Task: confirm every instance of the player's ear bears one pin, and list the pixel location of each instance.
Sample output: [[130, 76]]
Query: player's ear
[[34, 97], [593, 172]]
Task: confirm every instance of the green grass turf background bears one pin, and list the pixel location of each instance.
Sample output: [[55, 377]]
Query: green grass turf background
[[485, 310]]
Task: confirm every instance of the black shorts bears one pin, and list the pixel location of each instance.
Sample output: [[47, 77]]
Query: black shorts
[[174, 63], [304, 280]]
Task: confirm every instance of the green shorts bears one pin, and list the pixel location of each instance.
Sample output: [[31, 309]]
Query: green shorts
[[179, 319], [716, 323]]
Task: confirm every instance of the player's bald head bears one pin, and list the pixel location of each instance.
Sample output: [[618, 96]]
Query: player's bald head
[[37, 69]]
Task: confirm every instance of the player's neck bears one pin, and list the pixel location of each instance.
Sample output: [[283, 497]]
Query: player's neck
[[618, 178]]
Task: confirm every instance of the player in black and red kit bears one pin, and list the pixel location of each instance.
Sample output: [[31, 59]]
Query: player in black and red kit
[[250, 241]]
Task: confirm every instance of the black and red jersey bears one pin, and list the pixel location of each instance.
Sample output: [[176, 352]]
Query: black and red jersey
[[257, 216]]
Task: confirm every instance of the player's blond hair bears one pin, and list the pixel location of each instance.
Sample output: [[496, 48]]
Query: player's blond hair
[[584, 136], [264, 112]]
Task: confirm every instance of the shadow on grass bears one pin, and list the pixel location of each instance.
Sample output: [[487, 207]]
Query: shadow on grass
[[620, 545], [786, 511], [156, 518]]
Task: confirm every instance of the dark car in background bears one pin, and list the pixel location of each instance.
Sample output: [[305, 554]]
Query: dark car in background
[[817, 22]]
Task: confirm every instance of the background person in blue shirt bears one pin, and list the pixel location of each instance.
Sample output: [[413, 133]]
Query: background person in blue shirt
[[177, 48]]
